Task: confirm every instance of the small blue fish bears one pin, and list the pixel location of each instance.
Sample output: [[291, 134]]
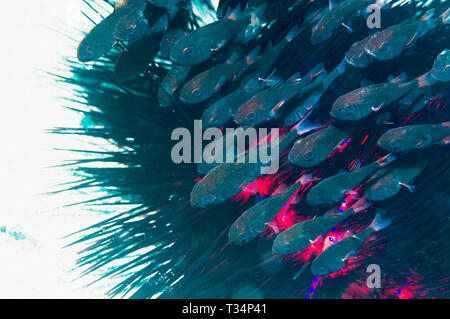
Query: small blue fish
[[199, 45], [334, 257], [406, 138], [207, 83], [441, 67], [391, 42], [335, 17], [301, 235]]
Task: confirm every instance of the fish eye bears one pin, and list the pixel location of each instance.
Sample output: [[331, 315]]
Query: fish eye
[[197, 92], [394, 145], [348, 111], [208, 199], [188, 52], [88, 55], [385, 47], [309, 156], [131, 30], [251, 117], [242, 238], [214, 122]]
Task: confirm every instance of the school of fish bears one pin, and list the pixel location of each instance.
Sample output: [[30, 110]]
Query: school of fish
[[206, 61]]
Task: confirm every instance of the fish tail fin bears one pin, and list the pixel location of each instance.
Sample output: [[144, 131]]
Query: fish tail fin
[[360, 205], [295, 31], [356, 164], [425, 80], [233, 58], [304, 126], [445, 17], [380, 222], [257, 15], [341, 67], [385, 160], [253, 55], [307, 178]]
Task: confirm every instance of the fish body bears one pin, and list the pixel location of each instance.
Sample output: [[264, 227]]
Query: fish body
[[223, 109], [171, 83], [266, 105], [390, 43], [254, 220], [264, 63], [207, 83], [312, 93], [101, 38], [333, 189], [199, 45], [227, 179], [388, 181], [357, 56], [315, 148], [258, 109], [334, 257], [229, 154], [414, 101], [134, 25], [300, 236], [406, 138], [333, 19], [168, 41], [441, 67], [364, 101]]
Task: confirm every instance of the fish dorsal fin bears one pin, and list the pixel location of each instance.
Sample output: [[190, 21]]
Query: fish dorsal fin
[[366, 82], [356, 164], [428, 16], [401, 78], [408, 187], [235, 14], [295, 77], [331, 5]]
